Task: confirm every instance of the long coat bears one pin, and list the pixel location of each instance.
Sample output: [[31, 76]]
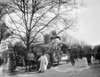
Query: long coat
[[43, 63]]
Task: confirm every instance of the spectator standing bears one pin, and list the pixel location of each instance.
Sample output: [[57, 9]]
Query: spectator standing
[[88, 57], [43, 63], [72, 59]]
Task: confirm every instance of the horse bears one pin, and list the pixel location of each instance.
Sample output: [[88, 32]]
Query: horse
[[30, 63], [25, 61]]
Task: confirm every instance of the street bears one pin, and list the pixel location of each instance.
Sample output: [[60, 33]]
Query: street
[[81, 69]]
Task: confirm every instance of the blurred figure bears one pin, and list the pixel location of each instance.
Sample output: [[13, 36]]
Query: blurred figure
[[49, 62], [72, 59], [88, 57], [97, 55], [43, 63], [68, 55], [3, 66]]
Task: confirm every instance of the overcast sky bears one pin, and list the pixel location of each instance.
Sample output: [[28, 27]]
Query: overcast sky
[[88, 28]]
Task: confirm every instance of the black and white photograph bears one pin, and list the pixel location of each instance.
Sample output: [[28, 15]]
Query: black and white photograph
[[49, 38]]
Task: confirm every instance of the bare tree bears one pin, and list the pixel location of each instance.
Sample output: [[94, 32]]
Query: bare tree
[[4, 31], [35, 16]]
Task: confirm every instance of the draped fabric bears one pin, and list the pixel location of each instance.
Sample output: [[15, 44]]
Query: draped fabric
[[43, 63], [55, 44], [1, 70], [4, 68]]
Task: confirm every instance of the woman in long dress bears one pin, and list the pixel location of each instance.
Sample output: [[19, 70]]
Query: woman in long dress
[[43, 62], [3, 67]]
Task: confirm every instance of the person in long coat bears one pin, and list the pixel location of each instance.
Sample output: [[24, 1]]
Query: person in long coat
[[43, 62], [72, 59], [88, 57], [97, 55], [3, 67]]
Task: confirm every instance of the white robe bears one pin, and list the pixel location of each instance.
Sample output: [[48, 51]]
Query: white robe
[[3, 69], [43, 63]]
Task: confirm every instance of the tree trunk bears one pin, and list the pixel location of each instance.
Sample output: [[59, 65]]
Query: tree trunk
[[28, 42]]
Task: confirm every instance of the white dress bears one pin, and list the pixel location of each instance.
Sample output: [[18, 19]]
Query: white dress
[[3, 69], [43, 63]]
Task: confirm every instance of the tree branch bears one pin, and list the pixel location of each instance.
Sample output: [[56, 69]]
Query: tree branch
[[44, 27], [42, 16]]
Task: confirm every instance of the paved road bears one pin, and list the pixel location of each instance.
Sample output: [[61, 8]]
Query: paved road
[[67, 70], [93, 71]]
